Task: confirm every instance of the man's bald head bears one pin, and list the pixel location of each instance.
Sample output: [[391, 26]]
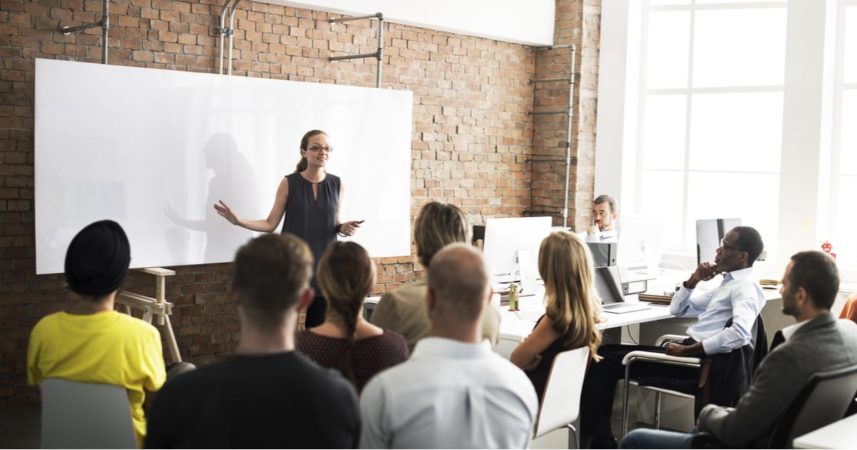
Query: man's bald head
[[458, 284]]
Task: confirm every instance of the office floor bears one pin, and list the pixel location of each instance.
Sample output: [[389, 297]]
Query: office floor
[[19, 426]]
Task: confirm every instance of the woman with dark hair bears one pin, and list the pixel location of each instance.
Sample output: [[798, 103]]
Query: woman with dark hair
[[345, 341], [309, 200]]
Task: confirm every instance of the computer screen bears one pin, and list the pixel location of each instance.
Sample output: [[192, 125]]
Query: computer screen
[[709, 232], [505, 238], [608, 285], [603, 253]]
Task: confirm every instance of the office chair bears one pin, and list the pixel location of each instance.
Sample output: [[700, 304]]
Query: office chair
[[822, 401], [85, 415], [758, 345], [560, 405]]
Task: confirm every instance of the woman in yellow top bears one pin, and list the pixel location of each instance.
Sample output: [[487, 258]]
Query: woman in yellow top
[[90, 342]]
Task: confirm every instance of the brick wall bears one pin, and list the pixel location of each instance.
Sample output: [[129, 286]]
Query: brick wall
[[471, 145]]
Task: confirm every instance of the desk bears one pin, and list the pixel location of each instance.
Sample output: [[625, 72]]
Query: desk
[[838, 434], [515, 326]]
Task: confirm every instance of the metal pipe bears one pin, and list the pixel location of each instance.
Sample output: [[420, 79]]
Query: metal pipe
[[379, 52], [542, 80], [231, 32], [348, 19], [105, 26], [222, 32], [542, 113], [228, 5], [362, 55], [104, 23], [380, 55], [568, 140]]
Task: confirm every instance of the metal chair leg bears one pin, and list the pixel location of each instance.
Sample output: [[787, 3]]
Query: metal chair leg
[[625, 400], [657, 410], [573, 442]]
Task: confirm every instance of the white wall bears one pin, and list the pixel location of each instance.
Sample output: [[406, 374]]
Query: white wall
[[155, 149], [528, 22]]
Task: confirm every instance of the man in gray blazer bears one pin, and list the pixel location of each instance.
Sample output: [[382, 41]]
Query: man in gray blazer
[[818, 342]]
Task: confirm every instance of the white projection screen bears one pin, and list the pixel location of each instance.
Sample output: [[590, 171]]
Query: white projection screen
[[155, 149]]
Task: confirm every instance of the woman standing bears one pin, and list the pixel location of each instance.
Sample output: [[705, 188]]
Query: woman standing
[[309, 199], [569, 322], [345, 341]]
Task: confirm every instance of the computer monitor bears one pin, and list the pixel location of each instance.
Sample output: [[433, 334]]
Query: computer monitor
[[506, 238], [709, 232], [603, 253], [608, 285]]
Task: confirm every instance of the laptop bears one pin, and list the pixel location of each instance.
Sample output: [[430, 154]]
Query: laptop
[[609, 288]]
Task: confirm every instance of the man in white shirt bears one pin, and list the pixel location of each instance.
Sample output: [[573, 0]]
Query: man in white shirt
[[604, 218], [818, 342], [726, 316], [454, 391]]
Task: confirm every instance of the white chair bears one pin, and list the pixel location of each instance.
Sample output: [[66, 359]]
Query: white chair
[[85, 415], [561, 399]]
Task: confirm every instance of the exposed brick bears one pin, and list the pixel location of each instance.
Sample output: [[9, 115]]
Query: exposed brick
[[471, 142]]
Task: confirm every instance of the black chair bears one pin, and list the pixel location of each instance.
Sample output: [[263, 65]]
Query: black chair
[[823, 400]]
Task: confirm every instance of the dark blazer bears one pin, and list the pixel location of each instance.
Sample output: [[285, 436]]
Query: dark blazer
[[822, 344]]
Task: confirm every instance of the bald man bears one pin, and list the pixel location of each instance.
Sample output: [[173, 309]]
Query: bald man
[[454, 391]]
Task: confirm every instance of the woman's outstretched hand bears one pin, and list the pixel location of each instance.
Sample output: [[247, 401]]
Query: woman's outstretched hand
[[224, 210]]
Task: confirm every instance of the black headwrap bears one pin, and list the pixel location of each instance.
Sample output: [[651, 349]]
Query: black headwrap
[[97, 259]]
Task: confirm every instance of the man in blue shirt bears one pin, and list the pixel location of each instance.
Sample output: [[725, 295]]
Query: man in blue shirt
[[726, 317]]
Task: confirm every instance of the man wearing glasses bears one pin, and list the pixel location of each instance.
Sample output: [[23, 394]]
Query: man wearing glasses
[[604, 217], [726, 316]]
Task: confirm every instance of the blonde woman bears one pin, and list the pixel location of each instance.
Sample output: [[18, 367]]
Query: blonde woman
[[569, 322]]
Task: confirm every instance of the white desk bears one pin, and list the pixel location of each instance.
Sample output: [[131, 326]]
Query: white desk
[[838, 434], [515, 326]]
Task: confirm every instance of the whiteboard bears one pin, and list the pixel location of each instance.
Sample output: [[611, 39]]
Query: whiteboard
[[155, 149]]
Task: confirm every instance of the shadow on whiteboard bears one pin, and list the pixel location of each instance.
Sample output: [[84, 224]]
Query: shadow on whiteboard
[[202, 230]]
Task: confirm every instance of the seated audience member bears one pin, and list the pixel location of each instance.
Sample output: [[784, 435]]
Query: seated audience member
[[818, 342], [266, 395], [738, 299], [605, 217], [565, 265], [90, 342], [454, 391], [403, 310], [345, 341]]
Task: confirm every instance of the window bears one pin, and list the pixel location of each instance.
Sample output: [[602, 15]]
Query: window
[[711, 123], [843, 177]]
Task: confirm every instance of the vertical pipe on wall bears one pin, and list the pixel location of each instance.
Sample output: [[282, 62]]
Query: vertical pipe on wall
[[105, 25], [231, 31], [569, 134], [380, 53]]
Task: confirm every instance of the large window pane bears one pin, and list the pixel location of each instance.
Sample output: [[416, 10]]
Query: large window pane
[[849, 54], [664, 128], [666, 49], [848, 135], [752, 198], [736, 132], [740, 47], [663, 194], [845, 241]]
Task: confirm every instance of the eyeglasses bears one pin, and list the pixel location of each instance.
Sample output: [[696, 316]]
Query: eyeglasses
[[726, 246], [318, 148]]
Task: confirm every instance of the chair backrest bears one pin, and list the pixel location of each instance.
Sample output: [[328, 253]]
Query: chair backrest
[[85, 415], [561, 401], [821, 402]]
